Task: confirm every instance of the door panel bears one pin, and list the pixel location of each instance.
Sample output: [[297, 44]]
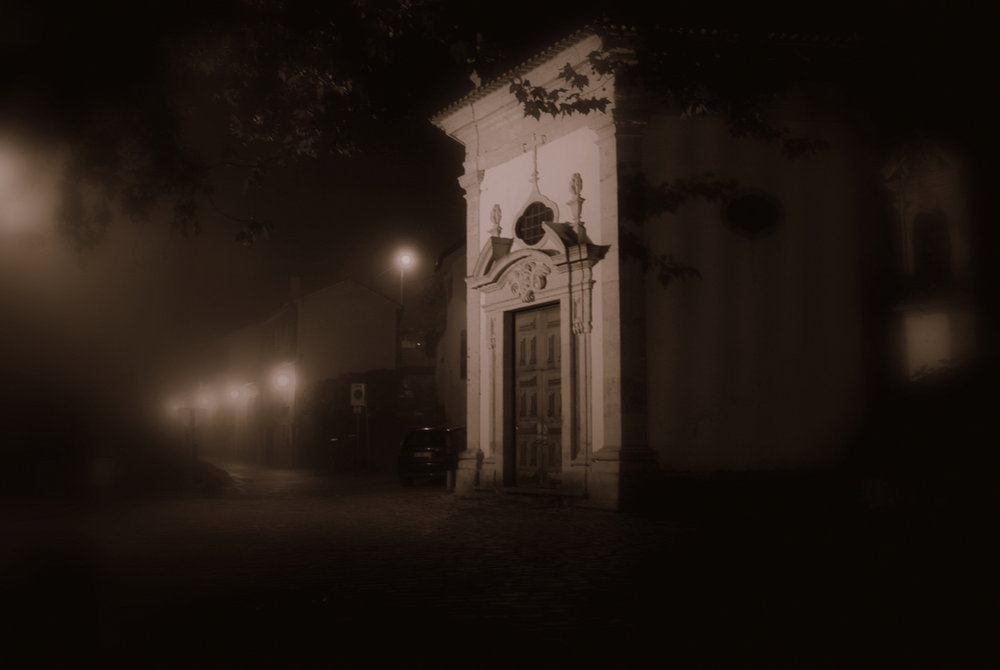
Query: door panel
[[538, 397]]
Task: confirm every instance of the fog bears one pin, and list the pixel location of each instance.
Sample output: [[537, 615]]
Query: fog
[[97, 339]]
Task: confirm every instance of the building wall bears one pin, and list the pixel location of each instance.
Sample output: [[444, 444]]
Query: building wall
[[344, 328], [759, 362], [564, 147], [571, 146], [451, 352], [505, 152], [272, 367]]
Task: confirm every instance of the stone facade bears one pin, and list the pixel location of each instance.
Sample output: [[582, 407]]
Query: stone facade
[[568, 166], [757, 361]]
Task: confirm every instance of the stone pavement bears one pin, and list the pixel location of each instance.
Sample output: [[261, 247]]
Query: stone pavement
[[295, 569]]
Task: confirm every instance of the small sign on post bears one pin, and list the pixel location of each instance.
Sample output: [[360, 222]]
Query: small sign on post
[[357, 397]]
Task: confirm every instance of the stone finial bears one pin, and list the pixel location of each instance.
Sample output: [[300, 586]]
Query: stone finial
[[495, 216], [576, 204]]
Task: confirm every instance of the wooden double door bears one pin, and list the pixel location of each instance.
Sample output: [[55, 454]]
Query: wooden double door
[[537, 397]]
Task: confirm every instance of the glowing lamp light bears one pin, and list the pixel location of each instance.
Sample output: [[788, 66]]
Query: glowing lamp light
[[234, 393], [405, 260], [28, 193], [205, 399], [173, 408], [283, 380]]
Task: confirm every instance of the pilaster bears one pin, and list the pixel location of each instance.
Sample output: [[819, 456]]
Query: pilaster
[[624, 460], [467, 477]]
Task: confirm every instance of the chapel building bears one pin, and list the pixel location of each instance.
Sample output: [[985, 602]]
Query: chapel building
[[728, 333]]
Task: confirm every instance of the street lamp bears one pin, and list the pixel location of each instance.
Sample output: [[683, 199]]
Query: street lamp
[[405, 260], [205, 400], [283, 379]]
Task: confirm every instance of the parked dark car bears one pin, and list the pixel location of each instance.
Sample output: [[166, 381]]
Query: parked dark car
[[430, 454]]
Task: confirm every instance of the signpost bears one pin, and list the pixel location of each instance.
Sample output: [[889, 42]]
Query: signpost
[[357, 397], [188, 419], [358, 404]]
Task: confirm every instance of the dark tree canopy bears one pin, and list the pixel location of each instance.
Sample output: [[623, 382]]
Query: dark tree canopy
[[291, 80]]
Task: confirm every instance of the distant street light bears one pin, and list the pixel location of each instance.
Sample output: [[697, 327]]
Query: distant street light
[[283, 378], [174, 407], [405, 260], [28, 186], [205, 399]]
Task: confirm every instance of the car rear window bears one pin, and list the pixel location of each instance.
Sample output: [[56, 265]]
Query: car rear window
[[422, 439]]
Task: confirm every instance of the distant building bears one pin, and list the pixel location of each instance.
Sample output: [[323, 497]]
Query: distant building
[[418, 401], [271, 392], [588, 375]]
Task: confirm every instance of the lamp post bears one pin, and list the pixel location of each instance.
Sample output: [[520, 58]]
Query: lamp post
[[405, 261]]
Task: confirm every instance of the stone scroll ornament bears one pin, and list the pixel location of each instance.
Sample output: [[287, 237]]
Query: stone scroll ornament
[[528, 277]]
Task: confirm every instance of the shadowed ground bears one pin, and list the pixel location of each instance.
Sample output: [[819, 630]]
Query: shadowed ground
[[293, 569]]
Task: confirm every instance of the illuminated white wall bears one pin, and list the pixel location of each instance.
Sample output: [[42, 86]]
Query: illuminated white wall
[[510, 186]]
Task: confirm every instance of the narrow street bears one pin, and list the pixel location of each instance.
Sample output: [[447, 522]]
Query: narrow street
[[296, 569]]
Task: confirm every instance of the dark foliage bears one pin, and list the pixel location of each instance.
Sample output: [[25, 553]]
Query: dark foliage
[[560, 101], [291, 80], [667, 268], [641, 201]]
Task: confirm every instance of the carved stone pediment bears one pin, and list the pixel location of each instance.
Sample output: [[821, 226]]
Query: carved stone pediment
[[502, 261], [495, 250], [498, 264], [526, 277]]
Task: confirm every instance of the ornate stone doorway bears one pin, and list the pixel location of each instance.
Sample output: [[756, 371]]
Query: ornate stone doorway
[[537, 397]]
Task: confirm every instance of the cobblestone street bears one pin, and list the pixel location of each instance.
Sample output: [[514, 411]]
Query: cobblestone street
[[294, 569]]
